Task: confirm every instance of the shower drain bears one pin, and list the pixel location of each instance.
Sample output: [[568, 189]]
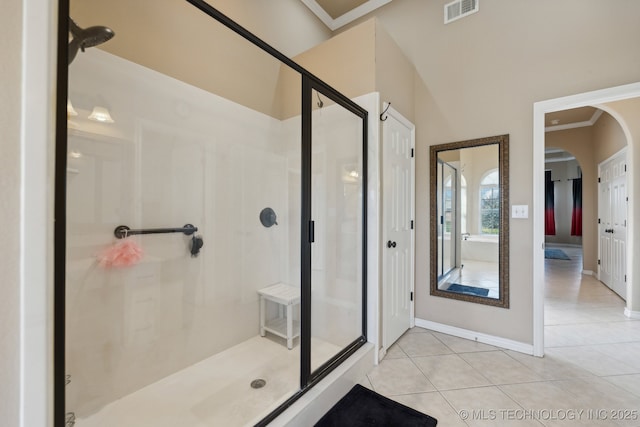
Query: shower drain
[[259, 383]]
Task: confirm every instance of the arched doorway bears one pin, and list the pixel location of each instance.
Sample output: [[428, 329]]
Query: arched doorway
[[622, 103]]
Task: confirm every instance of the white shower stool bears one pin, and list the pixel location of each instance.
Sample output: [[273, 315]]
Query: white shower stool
[[283, 326]]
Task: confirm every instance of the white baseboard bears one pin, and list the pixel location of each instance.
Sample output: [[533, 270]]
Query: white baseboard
[[632, 314], [476, 336], [588, 273], [382, 352]]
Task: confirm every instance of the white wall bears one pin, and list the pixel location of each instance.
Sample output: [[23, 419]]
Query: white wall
[[175, 155]]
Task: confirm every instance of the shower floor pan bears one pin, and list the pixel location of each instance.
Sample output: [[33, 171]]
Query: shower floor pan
[[216, 391]]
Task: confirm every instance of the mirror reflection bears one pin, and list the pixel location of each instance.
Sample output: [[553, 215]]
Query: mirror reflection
[[470, 220]]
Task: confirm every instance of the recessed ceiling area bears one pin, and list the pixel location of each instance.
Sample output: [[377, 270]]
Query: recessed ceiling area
[[337, 13], [336, 8], [568, 119], [553, 155]]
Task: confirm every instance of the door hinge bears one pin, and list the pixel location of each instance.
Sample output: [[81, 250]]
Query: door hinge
[[412, 152], [412, 292], [412, 224], [625, 278], [441, 219], [598, 262], [625, 168], [312, 231], [598, 220], [598, 179]]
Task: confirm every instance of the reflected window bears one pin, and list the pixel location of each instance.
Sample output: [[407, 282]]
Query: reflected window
[[490, 203], [448, 205], [463, 204]]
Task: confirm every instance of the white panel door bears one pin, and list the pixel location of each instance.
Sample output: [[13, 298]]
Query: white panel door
[[612, 205], [619, 228], [398, 237], [604, 216]]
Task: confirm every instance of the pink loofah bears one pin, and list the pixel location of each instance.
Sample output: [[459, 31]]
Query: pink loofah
[[123, 254]]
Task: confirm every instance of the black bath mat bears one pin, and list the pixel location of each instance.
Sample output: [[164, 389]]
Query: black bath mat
[[362, 407], [469, 290]]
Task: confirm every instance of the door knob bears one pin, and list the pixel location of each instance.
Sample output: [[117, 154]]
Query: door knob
[[393, 244]]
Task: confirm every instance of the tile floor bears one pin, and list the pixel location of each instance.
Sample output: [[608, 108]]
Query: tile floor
[[590, 375]]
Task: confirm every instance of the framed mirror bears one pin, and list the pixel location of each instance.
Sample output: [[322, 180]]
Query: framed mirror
[[469, 194]]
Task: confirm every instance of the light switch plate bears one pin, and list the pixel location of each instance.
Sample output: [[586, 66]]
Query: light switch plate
[[520, 211]]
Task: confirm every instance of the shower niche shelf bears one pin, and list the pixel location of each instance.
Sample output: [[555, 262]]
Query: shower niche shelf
[[284, 326]]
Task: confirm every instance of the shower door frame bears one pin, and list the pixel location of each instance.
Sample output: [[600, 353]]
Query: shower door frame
[[308, 378]]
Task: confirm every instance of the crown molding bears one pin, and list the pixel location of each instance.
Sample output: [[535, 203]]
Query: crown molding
[[590, 122]]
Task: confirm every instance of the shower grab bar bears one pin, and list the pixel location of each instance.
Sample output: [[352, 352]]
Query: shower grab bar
[[123, 231]]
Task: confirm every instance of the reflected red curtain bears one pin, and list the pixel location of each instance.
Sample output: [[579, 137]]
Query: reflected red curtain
[[549, 206], [576, 216]]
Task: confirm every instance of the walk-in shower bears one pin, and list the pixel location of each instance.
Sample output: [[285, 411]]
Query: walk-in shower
[[218, 177]]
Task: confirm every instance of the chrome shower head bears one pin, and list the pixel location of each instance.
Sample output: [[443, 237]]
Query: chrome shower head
[[87, 37]]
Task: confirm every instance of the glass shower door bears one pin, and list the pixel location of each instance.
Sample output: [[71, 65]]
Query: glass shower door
[[337, 172], [446, 206]]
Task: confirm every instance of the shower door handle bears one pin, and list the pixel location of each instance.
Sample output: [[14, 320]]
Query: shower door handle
[[391, 244]]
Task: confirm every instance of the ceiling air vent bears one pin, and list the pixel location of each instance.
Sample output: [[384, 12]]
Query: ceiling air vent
[[459, 9]]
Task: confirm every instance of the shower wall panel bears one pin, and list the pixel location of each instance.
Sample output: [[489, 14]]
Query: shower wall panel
[[175, 155]]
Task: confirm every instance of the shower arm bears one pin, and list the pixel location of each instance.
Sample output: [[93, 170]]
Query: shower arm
[[123, 231]]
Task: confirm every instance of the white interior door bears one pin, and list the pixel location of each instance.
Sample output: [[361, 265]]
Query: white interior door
[[612, 208], [398, 235], [604, 224]]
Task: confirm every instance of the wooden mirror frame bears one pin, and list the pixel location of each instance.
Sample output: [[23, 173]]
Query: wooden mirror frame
[[503, 244]]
